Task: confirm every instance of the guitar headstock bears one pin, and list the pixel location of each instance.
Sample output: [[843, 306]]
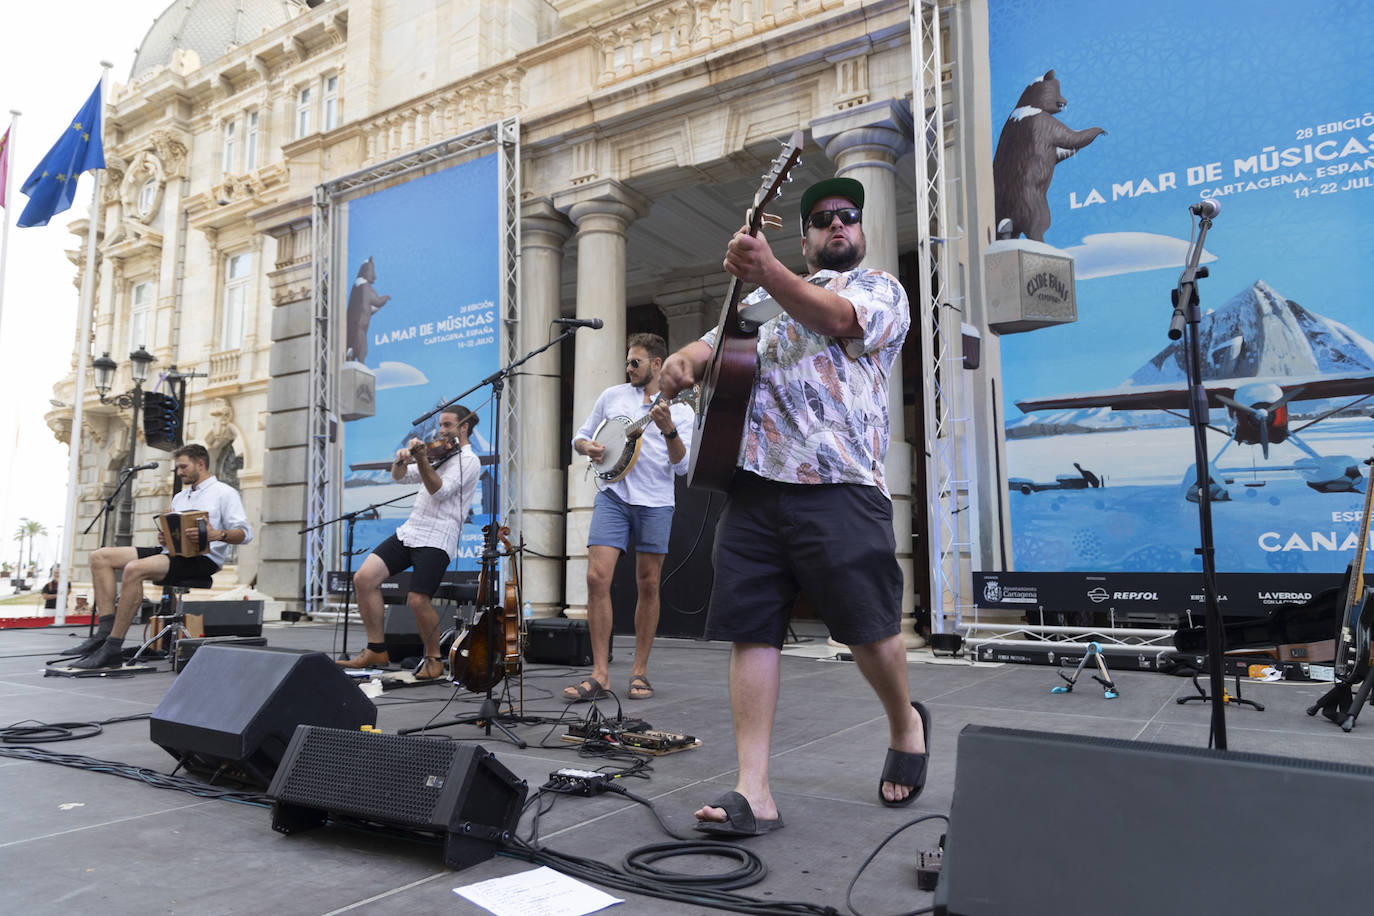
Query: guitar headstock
[[773, 181]]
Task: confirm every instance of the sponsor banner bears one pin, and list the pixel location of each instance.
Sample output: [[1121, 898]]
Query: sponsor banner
[[1144, 594], [420, 326], [1103, 156]]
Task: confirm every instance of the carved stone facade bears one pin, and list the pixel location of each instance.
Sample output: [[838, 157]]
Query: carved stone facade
[[645, 127]]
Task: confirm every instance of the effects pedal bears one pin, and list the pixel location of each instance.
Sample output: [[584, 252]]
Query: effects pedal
[[928, 862], [571, 781], [651, 740]]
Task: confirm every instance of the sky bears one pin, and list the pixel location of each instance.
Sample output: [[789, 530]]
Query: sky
[[46, 74]]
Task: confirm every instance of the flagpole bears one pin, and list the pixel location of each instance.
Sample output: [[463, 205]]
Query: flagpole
[[9, 205], [83, 346]]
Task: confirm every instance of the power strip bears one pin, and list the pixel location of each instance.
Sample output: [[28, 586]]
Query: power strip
[[577, 782]]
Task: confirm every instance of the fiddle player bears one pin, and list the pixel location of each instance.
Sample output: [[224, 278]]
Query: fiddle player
[[226, 525], [424, 543], [636, 509]]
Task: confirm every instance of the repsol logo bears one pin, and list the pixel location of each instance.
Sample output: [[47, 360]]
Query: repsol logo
[[1100, 594]]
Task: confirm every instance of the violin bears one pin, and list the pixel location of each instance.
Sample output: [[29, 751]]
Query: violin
[[436, 448], [490, 647]]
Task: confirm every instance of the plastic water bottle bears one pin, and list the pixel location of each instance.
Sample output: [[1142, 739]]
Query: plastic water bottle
[[528, 611]]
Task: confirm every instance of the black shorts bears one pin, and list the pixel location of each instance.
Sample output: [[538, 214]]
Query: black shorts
[[429, 564], [834, 542], [181, 569]]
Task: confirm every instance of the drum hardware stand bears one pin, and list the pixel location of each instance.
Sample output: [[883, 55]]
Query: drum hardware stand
[[351, 518], [1094, 652], [489, 715], [1187, 316]]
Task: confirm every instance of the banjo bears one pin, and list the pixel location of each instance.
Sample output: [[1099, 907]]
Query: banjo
[[622, 438]]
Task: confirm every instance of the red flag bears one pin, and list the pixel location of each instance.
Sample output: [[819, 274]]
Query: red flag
[[4, 166]]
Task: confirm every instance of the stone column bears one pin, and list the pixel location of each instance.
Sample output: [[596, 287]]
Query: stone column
[[603, 212], [864, 143], [692, 308], [543, 230]]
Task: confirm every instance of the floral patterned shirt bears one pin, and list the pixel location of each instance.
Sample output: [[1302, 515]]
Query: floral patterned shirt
[[819, 408]]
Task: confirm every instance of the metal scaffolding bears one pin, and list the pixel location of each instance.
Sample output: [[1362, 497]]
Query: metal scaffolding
[[323, 462]]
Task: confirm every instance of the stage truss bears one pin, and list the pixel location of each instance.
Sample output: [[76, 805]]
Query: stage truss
[[939, 320], [324, 460]]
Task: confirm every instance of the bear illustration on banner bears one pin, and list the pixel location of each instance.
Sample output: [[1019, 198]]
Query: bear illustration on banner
[[1032, 143], [363, 303]]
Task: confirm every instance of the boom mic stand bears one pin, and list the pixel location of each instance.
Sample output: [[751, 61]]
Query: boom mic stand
[[1187, 317], [351, 518], [489, 715]]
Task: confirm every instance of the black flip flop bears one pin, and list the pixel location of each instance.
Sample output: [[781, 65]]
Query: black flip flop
[[739, 818], [903, 768]]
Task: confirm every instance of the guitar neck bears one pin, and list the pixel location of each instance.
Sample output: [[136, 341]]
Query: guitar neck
[[1357, 575]]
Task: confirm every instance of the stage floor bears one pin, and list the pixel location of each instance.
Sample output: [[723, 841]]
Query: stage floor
[[78, 841]]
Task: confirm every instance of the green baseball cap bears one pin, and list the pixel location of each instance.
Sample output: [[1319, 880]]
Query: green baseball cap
[[847, 188]]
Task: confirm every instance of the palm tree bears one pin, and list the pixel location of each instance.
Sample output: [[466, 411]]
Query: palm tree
[[33, 529], [19, 534]]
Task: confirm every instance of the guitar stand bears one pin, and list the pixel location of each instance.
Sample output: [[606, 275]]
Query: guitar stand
[[174, 630], [1338, 704], [1226, 697], [1094, 652]]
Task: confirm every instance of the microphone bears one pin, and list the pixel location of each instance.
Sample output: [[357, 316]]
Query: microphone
[[1207, 209], [594, 323], [143, 467]]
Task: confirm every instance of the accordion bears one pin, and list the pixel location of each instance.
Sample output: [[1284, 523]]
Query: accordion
[[176, 528]]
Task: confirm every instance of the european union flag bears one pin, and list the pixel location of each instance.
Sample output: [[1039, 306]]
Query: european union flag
[[53, 184]]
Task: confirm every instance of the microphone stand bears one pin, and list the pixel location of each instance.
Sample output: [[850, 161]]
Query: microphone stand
[[1187, 317], [489, 715], [351, 518], [106, 509]]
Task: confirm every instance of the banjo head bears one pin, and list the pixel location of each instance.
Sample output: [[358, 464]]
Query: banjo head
[[611, 434]]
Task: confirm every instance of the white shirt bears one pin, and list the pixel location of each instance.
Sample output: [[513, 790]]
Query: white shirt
[[650, 481], [437, 518], [225, 508]]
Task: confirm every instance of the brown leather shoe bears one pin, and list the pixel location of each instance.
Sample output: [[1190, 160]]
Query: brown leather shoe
[[431, 669], [366, 659]]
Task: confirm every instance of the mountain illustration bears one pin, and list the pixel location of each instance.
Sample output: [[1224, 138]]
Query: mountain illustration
[[1258, 333]]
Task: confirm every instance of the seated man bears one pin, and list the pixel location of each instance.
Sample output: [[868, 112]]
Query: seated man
[[226, 525]]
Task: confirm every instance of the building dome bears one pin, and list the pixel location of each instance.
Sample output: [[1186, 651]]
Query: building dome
[[209, 28]]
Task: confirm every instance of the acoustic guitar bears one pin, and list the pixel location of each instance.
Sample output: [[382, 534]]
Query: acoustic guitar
[[728, 382]]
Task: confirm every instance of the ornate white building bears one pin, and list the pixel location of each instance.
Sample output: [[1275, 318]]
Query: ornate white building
[[645, 126]]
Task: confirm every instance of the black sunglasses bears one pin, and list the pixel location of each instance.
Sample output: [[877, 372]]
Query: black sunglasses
[[632, 363], [821, 219]]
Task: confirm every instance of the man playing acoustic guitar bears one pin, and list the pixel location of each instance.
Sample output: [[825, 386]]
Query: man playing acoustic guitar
[[637, 508], [808, 509]]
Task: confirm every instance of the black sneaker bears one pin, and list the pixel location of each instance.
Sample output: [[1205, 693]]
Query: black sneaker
[[106, 656]]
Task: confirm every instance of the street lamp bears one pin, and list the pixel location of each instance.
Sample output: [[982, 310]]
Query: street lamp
[[139, 361]]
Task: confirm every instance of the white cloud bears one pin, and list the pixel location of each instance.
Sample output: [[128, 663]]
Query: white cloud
[[1107, 254], [398, 375]]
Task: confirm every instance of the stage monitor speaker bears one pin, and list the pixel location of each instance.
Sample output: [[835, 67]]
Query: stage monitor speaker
[[1049, 823], [233, 709], [429, 785]]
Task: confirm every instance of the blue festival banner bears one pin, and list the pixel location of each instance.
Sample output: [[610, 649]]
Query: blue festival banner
[[1111, 121], [420, 327]]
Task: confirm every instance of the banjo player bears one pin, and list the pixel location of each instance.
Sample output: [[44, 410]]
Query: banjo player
[[634, 509]]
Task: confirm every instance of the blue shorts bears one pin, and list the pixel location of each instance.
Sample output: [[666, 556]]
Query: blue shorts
[[618, 524]]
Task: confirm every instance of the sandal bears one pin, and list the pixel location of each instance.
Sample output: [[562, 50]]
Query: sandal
[[903, 768], [589, 689], [739, 818], [639, 682], [430, 664]]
